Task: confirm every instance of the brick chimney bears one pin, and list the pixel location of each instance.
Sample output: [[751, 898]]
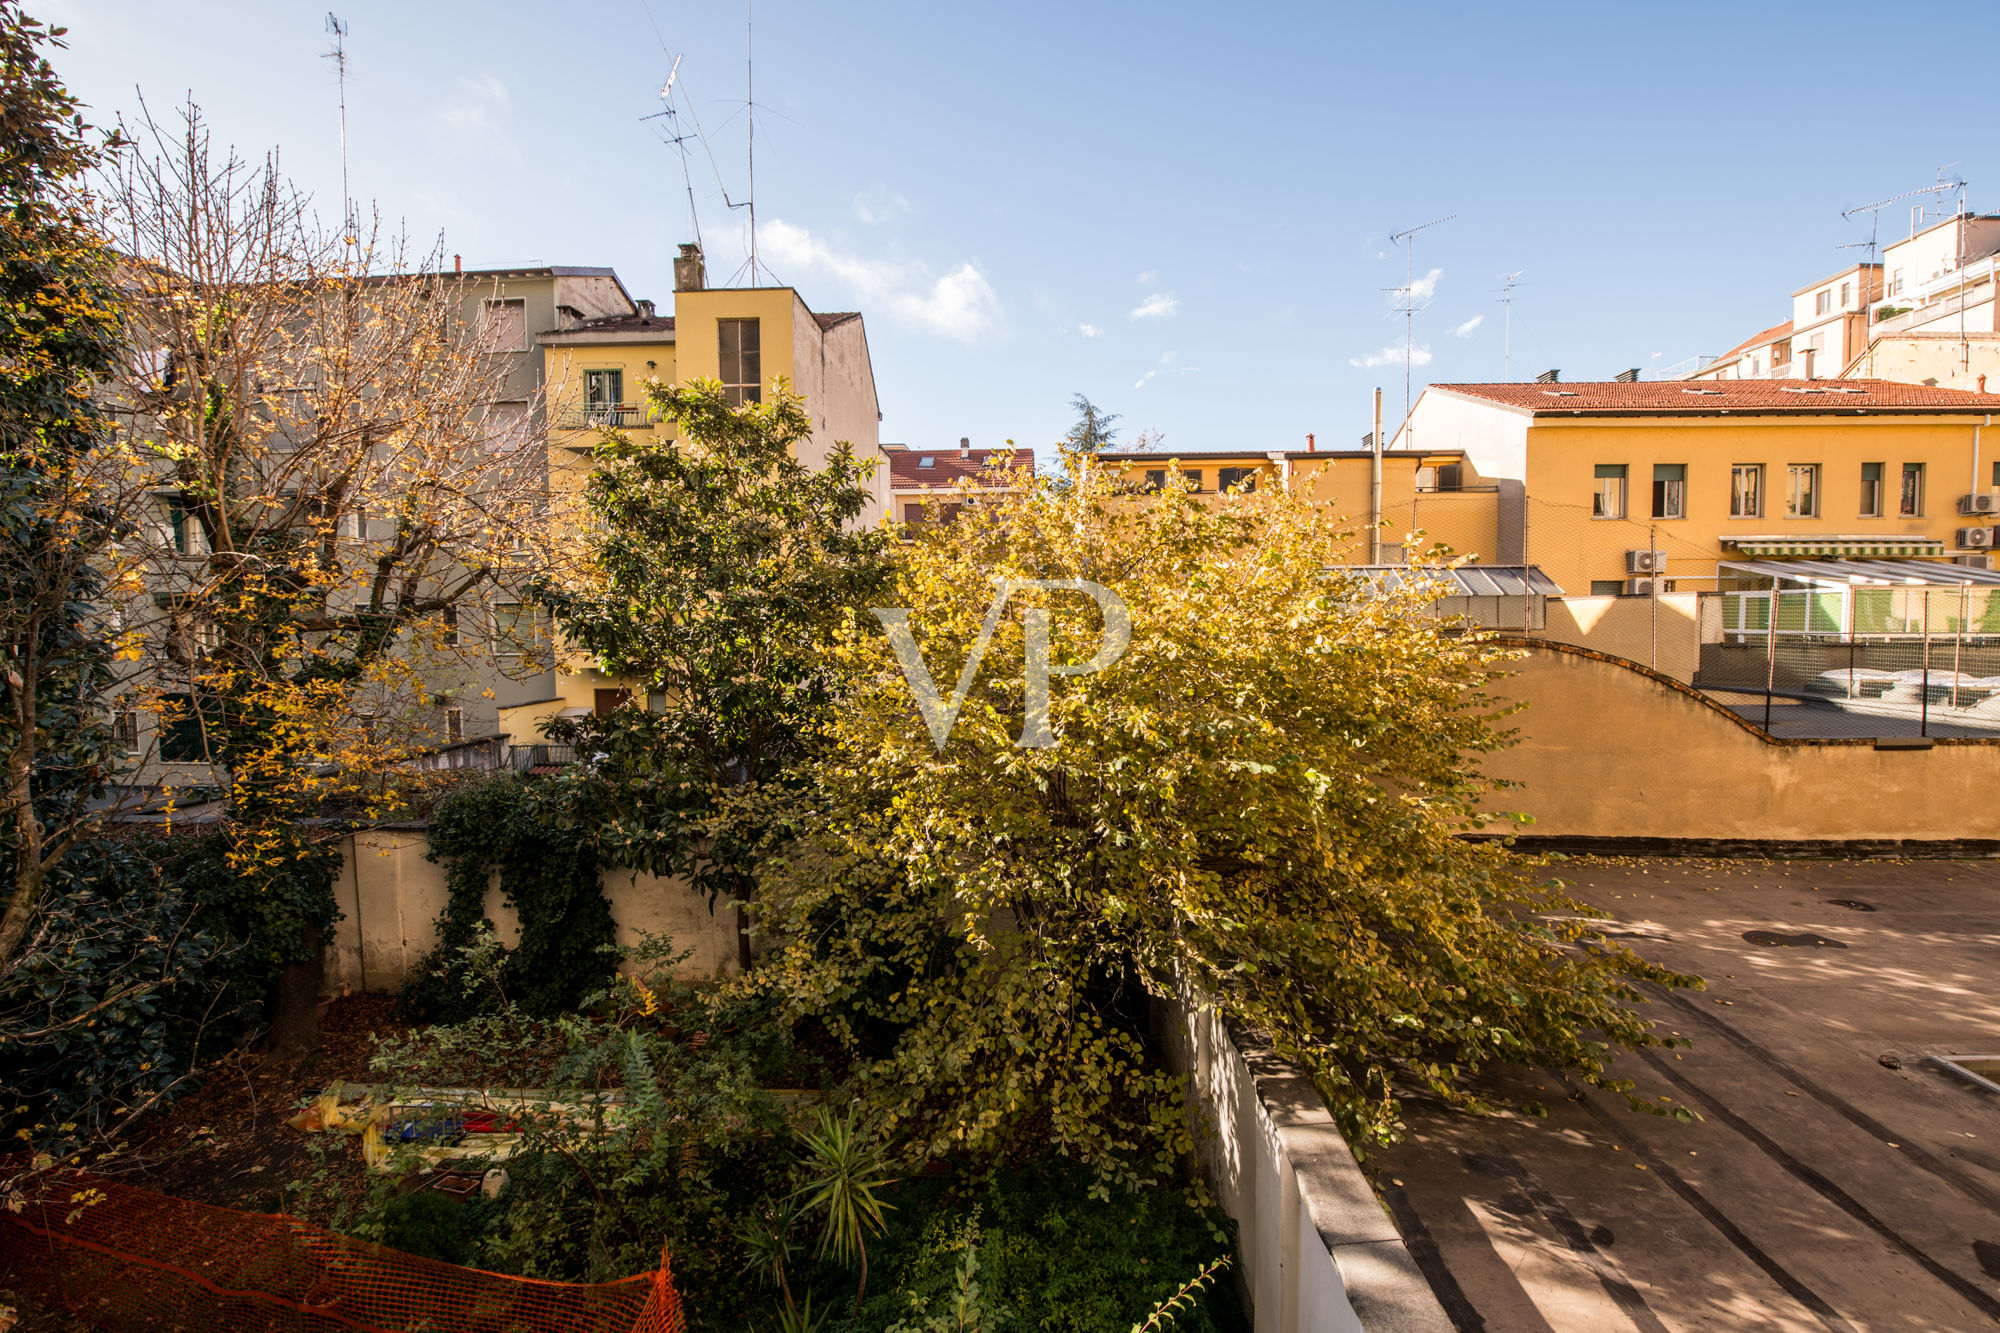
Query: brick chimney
[[646, 309], [690, 274], [1310, 446], [965, 446]]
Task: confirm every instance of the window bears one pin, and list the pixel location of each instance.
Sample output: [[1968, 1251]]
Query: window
[[1608, 500], [517, 628], [604, 394], [125, 732], [1802, 490], [1912, 502], [504, 426], [1895, 282], [927, 461], [1607, 587], [1846, 294], [1156, 479], [182, 740], [1871, 490], [1670, 490], [454, 725], [1996, 476], [505, 326], [610, 701], [1193, 475], [1746, 490], [742, 362], [182, 529], [448, 635], [1243, 478], [1781, 352], [1823, 303]]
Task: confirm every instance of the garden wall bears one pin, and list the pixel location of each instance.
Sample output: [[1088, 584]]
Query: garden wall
[[390, 898], [1316, 1253], [1609, 750]]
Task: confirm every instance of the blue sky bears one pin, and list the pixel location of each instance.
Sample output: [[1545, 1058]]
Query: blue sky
[[1182, 211]]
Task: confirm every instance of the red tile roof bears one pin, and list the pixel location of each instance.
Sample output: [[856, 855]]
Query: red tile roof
[[1784, 397], [947, 467], [837, 317], [1770, 335]]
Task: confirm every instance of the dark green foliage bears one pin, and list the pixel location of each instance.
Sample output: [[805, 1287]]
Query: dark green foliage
[[150, 955], [436, 1226], [1093, 431], [1051, 1258], [549, 872], [59, 337]]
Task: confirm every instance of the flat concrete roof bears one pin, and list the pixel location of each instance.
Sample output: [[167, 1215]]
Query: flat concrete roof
[[1835, 1179]]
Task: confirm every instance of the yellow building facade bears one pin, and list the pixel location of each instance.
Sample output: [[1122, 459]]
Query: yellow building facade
[[747, 338]]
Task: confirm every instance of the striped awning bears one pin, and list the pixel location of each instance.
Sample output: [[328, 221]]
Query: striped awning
[[1862, 573], [1835, 547], [1468, 580]]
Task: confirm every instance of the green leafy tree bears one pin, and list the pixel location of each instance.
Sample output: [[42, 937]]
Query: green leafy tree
[[59, 340], [1260, 802], [715, 571], [1093, 431]]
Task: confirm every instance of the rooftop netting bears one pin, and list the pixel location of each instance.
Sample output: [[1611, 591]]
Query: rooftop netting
[[123, 1258]]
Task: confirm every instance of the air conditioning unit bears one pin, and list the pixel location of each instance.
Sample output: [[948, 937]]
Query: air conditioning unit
[[1987, 502], [1641, 587], [1975, 539], [1645, 562], [1984, 560]]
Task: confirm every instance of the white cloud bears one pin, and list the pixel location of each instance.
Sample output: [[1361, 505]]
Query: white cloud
[[1465, 330], [1424, 288], [1157, 306], [1165, 367], [960, 305], [871, 214], [1089, 330], [1146, 278], [1420, 355], [474, 116], [1140, 383]]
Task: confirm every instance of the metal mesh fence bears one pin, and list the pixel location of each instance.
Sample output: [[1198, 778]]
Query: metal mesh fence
[[121, 1258]]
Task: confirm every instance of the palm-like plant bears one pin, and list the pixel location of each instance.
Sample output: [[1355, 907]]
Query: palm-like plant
[[844, 1167]]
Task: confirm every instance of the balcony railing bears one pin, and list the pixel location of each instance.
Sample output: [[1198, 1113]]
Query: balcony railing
[[589, 416]]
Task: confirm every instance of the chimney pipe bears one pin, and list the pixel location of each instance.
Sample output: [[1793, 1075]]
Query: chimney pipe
[[457, 264], [646, 309], [1310, 446], [1549, 377], [690, 273], [1807, 354], [1982, 384], [964, 446]]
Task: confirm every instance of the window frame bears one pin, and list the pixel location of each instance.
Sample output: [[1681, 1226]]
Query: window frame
[[594, 404], [1910, 499], [746, 384], [1193, 474], [1244, 478], [1602, 498], [1670, 503], [1823, 302], [489, 335], [1871, 499], [1738, 474], [1794, 472]]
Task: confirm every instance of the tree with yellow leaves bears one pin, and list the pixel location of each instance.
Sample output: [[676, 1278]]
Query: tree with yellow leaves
[[1261, 801]]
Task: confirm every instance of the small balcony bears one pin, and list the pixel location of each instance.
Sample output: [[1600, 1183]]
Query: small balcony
[[590, 416]]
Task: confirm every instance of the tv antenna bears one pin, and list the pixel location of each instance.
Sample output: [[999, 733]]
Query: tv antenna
[[338, 55], [1508, 282], [673, 138], [1874, 212], [1409, 290]]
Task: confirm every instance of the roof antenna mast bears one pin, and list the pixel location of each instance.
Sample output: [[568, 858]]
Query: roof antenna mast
[[1409, 291], [1508, 282], [750, 115], [338, 55], [1874, 212]]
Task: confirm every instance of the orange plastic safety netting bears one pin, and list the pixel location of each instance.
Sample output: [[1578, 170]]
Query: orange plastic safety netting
[[124, 1258]]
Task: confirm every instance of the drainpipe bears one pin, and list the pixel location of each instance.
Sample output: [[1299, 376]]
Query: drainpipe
[[1375, 487], [1975, 440]]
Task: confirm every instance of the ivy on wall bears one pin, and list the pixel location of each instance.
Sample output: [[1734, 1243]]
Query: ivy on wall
[[548, 870]]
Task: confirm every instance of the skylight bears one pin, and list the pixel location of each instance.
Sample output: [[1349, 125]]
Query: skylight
[[927, 461]]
